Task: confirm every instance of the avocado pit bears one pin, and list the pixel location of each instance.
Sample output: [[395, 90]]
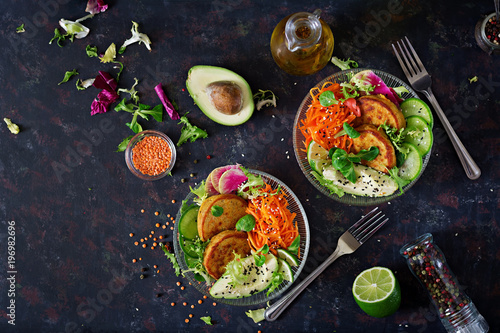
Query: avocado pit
[[225, 96]]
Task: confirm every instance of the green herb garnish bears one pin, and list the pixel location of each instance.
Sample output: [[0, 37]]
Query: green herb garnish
[[20, 29], [207, 320], [217, 210], [344, 162], [246, 223], [294, 247], [350, 131], [327, 98], [91, 51], [190, 132], [68, 75]]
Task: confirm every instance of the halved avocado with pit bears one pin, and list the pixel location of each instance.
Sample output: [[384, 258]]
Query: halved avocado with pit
[[222, 95]]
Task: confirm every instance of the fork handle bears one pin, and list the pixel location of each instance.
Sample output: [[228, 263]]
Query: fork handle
[[470, 167], [273, 312]]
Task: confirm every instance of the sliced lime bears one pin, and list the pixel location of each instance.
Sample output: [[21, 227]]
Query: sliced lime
[[289, 257], [188, 226], [377, 292], [285, 269], [419, 133], [317, 157], [412, 165], [417, 107]]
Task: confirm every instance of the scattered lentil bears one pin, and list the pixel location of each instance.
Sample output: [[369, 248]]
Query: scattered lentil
[[144, 245], [192, 306], [136, 243], [192, 175], [142, 210], [205, 296], [209, 157], [157, 225], [214, 304], [182, 288], [164, 226], [157, 213], [200, 301], [186, 320], [173, 201], [184, 303], [134, 260], [161, 237], [172, 303], [131, 235], [183, 180], [190, 315], [155, 244], [155, 266], [151, 156], [178, 283]]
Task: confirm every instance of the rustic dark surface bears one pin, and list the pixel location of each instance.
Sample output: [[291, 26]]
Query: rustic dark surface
[[74, 202]]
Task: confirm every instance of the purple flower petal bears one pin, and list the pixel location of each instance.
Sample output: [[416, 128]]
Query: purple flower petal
[[106, 96], [166, 103], [96, 7]]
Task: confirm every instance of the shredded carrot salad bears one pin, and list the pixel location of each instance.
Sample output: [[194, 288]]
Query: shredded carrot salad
[[322, 123], [274, 224]]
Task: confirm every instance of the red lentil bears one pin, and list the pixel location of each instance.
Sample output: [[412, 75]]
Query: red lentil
[[200, 301], [136, 243], [172, 303], [184, 303], [182, 288], [157, 225], [131, 235], [144, 245], [142, 210], [134, 260], [155, 266], [187, 320], [151, 156], [173, 200]]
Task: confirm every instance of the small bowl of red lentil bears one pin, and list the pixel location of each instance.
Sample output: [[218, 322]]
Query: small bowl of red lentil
[[150, 155]]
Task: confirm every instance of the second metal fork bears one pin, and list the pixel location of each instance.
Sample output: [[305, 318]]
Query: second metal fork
[[420, 80], [350, 240]]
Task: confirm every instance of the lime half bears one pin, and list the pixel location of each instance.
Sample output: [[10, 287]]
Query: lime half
[[377, 292], [317, 157]]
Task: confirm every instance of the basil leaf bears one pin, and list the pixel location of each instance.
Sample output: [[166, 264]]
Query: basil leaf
[[217, 210], [246, 223], [294, 247], [351, 131], [327, 98]]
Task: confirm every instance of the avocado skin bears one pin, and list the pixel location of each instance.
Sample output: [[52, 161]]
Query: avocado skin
[[199, 79]]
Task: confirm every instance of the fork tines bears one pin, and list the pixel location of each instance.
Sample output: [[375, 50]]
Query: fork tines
[[410, 66], [368, 225]]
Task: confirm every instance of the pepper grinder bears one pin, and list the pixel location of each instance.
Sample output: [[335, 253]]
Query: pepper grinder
[[428, 264]]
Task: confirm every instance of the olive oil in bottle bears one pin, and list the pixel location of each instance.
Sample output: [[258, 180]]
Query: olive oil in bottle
[[302, 43]]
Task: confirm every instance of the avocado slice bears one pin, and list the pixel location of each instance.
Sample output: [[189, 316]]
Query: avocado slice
[[222, 95]]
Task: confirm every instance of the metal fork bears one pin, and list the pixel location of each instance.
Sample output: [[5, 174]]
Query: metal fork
[[350, 240], [420, 80]]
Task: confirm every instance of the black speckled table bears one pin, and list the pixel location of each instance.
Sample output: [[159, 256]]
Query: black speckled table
[[71, 201]]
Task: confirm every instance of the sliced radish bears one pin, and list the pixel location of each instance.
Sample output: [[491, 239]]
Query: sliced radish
[[231, 180], [209, 187], [217, 173]]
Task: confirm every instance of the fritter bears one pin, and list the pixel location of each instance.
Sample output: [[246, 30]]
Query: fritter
[[233, 208], [221, 249], [371, 136]]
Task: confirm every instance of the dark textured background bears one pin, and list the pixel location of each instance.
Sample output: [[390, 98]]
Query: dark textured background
[[73, 250]]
